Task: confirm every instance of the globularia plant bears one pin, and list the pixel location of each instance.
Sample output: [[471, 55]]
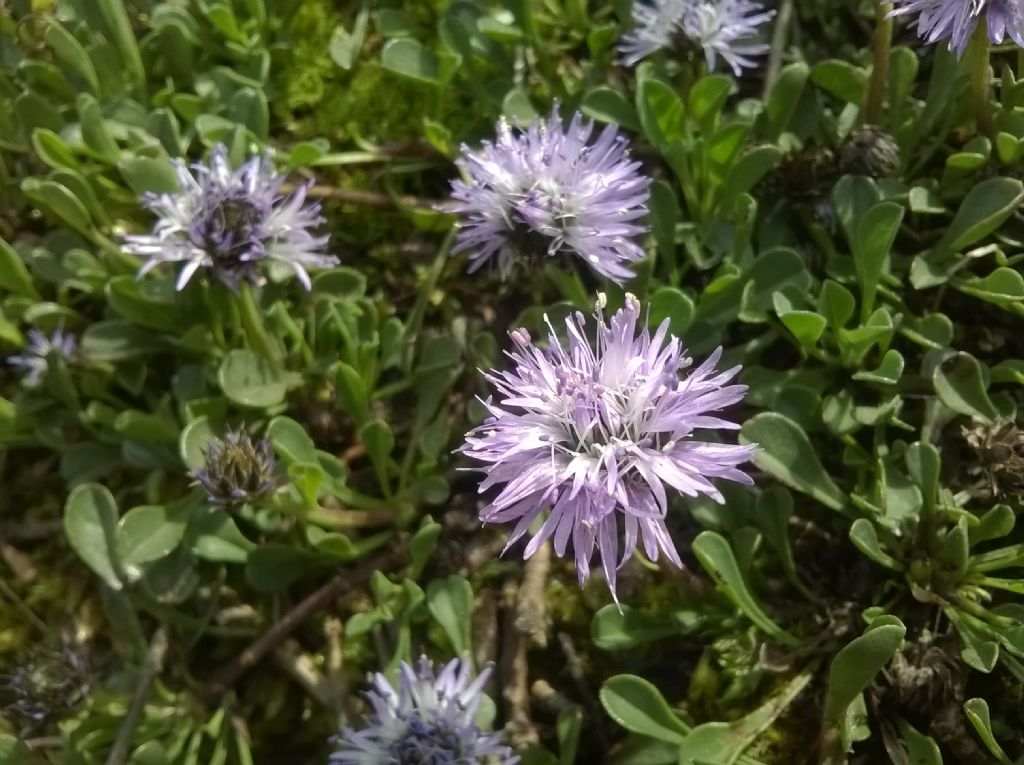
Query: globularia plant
[[231, 222], [588, 435], [729, 29], [430, 719], [548, 190]]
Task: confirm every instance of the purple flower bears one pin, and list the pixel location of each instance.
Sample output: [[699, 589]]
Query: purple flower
[[35, 359], [723, 28], [237, 469], [544, 190], [591, 435], [429, 719], [956, 20], [229, 221]]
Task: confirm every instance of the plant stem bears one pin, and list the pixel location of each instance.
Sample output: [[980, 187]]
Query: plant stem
[[880, 65], [252, 322], [419, 310], [152, 667], [780, 36], [981, 81]]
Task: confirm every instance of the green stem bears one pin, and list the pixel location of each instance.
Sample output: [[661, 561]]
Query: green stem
[[419, 310], [252, 322], [981, 80], [880, 66]]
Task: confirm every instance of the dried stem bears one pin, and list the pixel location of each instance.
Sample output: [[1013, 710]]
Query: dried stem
[[531, 616], [514, 670]]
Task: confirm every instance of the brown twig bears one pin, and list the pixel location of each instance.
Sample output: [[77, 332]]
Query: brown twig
[[338, 585], [515, 676], [531, 613]]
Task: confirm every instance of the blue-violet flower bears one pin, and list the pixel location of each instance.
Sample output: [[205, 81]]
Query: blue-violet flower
[[230, 221], [429, 720], [35, 359], [546, 190], [725, 28], [590, 435], [956, 20]]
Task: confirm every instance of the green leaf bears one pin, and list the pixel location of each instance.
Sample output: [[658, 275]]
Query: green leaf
[[787, 454], [193, 442], [13, 751], [876, 232], [785, 97], [58, 200], [90, 524], [144, 174], [273, 567], [291, 441], [422, 545], [664, 213], [888, 371], [94, 129], [984, 209], [352, 393], [250, 380], [639, 707], [960, 385], [674, 305], [841, 79], [52, 149], [248, 107], [121, 34], [569, 726], [716, 556], [1002, 287], [836, 303], [661, 112], [747, 172], [856, 665], [921, 749], [379, 442], [116, 341], [614, 628], [707, 97], [450, 601], [70, 53], [14, 275], [865, 538], [977, 712], [409, 58], [148, 533]]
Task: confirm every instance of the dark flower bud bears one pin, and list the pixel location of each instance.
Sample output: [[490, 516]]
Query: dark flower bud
[[238, 469], [48, 686], [871, 151]]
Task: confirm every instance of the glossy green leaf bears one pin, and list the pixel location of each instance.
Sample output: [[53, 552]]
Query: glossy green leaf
[[148, 533]]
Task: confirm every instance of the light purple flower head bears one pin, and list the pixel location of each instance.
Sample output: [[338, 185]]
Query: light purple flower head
[[956, 20], [591, 435], [429, 719], [230, 221], [725, 28], [35, 359], [548, 190]]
